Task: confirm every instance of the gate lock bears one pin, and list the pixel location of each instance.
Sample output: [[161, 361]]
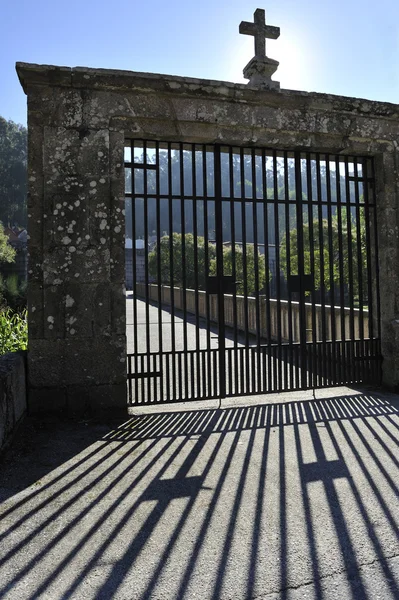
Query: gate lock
[[226, 284], [295, 282]]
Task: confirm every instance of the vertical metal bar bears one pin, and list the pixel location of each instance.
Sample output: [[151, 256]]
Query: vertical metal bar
[[142, 370], [312, 270], [184, 274], [233, 267], [331, 270], [376, 259], [171, 271], [267, 276], [342, 354], [324, 361], [206, 244], [167, 366], [359, 254], [192, 372], [218, 382], [196, 279], [159, 274], [229, 370], [129, 379], [146, 273], [204, 355], [180, 375], [219, 271], [277, 363], [301, 269], [256, 267], [287, 207], [359, 250], [350, 346], [244, 268], [134, 257], [155, 377], [367, 225]]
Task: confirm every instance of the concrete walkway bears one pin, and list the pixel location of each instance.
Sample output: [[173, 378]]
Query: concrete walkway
[[296, 498]]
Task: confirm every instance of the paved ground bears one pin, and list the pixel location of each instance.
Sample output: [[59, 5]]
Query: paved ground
[[149, 313], [293, 499], [195, 373]]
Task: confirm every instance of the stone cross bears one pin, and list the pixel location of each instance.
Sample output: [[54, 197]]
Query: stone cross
[[260, 68], [260, 31]]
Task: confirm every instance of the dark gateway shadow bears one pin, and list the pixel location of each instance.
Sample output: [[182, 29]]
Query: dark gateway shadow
[[231, 503]]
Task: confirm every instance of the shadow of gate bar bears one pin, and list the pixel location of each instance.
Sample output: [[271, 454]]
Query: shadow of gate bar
[[259, 219]]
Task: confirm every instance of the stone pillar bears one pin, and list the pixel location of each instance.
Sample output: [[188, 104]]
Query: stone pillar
[[76, 301], [387, 188]]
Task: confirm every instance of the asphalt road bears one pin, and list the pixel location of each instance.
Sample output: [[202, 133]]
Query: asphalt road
[[289, 500]]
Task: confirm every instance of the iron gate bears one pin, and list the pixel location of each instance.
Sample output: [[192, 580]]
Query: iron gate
[[248, 271]]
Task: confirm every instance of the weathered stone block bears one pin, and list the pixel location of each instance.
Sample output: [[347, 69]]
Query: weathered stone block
[[95, 361], [108, 397], [46, 362], [52, 107], [100, 106], [44, 400], [95, 399], [117, 273], [54, 312], [118, 303], [35, 310], [153, 129], [35, 263], [89, 264], [87, 310], [74, 153]]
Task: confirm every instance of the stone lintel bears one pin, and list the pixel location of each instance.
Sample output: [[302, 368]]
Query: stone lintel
[[32, 75]]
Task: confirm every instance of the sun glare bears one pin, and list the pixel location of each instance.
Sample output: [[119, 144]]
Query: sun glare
[[293, 71]]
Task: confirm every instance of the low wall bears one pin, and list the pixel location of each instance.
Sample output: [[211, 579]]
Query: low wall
[[12, 394], [279, 314]]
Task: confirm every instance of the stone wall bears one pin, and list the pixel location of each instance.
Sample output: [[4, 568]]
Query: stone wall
[[12, 394], [280, 311], [78, 119]]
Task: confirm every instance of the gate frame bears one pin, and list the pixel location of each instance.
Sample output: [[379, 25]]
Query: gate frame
[[78, 119], [363, 370]]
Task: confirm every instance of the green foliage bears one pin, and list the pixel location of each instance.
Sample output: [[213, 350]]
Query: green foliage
[[198, 271], [13, 173], [177, 260], [7, 252], [13, 331], [254, 282], [328, 268], [13, 292]]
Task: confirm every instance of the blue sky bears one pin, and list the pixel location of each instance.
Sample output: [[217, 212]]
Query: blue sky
[[343, 47]]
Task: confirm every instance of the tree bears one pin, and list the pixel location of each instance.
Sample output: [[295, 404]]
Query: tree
[[191, 274], [334, 261], [197, 266], [254, 274], [13, 173]]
